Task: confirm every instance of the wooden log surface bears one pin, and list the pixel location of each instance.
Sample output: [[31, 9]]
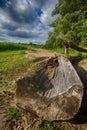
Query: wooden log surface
[[52, 93]]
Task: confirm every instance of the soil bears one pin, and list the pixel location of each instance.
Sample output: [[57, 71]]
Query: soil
[[39, 53]]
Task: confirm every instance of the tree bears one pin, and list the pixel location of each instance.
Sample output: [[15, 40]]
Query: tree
[[71, 25]]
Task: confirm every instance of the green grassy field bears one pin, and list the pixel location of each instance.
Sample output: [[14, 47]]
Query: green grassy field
[[14, 65], [4, 46]]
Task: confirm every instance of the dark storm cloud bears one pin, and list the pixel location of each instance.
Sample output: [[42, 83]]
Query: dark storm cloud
[[22, 34], [3, 3], [8, 26], [19, 11]]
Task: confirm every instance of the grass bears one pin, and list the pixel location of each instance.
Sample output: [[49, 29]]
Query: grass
[[46, 125], [13, 113], [56, 125], [13, 65], [72, 52], [59, 50]]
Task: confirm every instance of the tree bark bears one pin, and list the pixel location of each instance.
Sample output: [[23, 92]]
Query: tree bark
[[66, 51]]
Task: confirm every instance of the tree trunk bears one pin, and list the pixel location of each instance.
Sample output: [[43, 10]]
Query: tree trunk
[[52, 93], [77, 48], [66, 51], [73, 46]]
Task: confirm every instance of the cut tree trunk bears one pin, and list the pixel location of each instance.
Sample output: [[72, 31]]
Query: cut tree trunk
[[52, 93]]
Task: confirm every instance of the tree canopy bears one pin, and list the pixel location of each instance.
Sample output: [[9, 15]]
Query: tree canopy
[[71, 23]]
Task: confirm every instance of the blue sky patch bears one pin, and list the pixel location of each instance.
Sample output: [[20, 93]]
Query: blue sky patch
[[39, 11]]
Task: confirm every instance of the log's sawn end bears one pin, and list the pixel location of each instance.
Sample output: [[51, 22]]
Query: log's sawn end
[[52, 95]]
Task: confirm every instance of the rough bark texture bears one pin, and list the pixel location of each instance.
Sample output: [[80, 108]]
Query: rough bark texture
[[53, 93]]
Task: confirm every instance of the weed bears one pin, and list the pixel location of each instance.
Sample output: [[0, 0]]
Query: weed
[[46, 125], [13, 113], [2, 94]]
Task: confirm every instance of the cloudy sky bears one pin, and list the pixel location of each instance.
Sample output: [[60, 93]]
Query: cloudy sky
[[26, 20]]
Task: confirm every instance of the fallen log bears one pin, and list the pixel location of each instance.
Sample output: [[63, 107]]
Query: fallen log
[[54, 92]]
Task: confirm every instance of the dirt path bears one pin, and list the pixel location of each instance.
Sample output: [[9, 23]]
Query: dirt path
[[39, 53]]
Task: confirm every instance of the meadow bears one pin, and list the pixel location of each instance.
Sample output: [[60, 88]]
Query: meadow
[[14, 64]]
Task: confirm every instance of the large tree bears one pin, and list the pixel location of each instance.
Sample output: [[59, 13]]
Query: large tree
[[71, 24]]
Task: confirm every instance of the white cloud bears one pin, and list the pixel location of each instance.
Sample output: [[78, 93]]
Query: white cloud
[[20, 23], [46, 17]]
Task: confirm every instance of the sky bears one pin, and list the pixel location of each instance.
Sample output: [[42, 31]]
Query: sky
[[26, 20]]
